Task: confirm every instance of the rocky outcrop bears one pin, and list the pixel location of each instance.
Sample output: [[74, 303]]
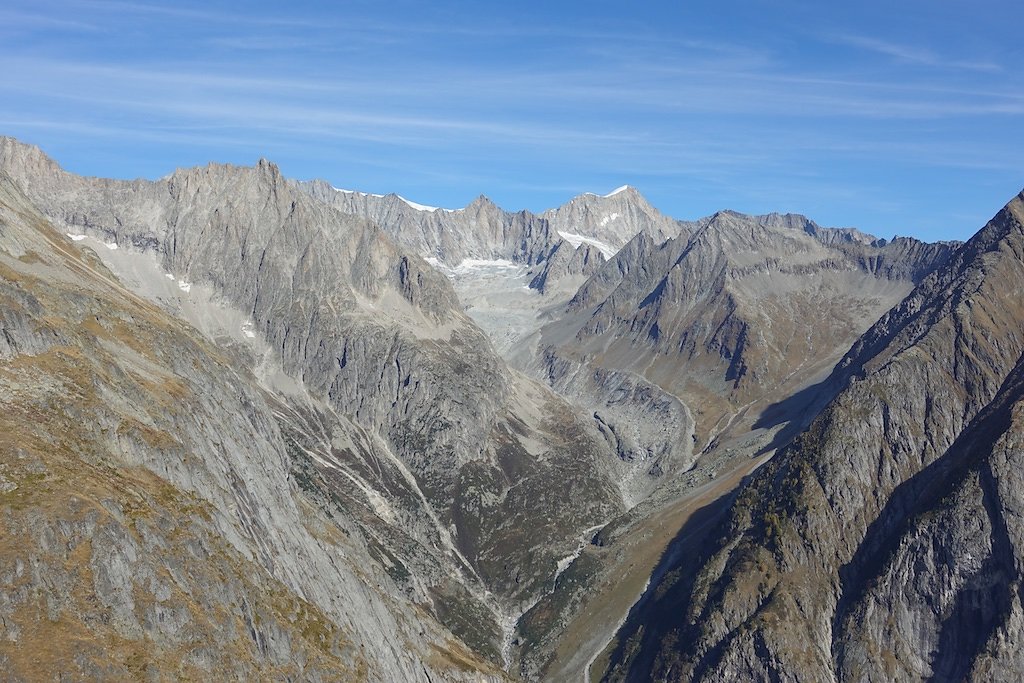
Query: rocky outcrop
[[881, 544], [566, 268]]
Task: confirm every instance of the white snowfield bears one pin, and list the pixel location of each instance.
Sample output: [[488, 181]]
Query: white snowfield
[[575, 240], [472, 265], [616, 191]]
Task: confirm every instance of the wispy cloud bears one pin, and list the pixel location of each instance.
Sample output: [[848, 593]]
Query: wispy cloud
[[910, 54], [126, 8], [12, 20]]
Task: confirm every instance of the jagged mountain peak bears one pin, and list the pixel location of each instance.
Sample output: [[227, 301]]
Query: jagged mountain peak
[[14, 151], [626, 194], [611, 220], [264, 174], [484, 231], [484, 203]]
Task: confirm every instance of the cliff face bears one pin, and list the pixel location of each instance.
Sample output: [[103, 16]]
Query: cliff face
[[883, 542]]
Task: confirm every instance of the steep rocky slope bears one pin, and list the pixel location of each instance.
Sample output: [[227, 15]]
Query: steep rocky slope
[[150, 526], [468, 481], [567, 268], [883, 543]]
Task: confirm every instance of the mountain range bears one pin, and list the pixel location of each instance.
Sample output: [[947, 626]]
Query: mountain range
[[264, 428]]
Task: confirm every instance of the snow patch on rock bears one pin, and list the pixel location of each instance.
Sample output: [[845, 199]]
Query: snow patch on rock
[[418, 207], [576, 241], [362, 194]]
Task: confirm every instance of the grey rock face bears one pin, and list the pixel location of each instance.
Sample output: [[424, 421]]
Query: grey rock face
[[567, 267], [880, 545]]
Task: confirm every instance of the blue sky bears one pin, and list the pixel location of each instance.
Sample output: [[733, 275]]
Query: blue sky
[[894, 117]]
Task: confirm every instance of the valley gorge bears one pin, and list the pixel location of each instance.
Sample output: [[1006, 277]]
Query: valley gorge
[[262, 428]]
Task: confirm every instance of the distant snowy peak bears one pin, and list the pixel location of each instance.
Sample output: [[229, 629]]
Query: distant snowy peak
[[612, 219]]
